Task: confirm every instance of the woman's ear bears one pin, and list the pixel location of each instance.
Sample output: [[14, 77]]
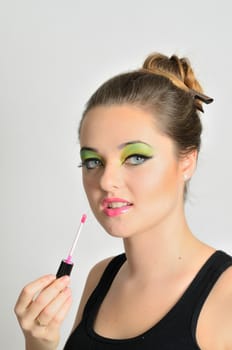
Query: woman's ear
[[188, 164]]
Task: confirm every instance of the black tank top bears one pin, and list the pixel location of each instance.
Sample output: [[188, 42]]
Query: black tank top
[[176, 330]]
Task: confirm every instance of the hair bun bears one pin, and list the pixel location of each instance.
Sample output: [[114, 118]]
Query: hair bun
[[178, 70]]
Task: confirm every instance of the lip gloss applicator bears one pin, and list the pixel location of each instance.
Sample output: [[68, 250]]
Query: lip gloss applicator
[[66, 265]]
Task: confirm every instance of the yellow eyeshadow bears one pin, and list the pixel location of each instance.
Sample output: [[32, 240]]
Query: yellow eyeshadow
[[136, 148]]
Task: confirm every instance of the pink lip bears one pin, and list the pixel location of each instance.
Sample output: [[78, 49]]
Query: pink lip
[[115, 211]]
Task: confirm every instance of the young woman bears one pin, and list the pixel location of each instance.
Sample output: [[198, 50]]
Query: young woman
[[140, 137]]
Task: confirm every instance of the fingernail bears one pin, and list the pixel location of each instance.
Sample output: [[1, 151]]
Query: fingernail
[[65, 278], [67, 291], [51, 277]]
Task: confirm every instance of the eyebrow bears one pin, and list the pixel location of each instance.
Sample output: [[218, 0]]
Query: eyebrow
[[88, 149], [122, 145]]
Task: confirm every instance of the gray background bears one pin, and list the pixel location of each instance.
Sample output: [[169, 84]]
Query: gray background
[[53, 54]]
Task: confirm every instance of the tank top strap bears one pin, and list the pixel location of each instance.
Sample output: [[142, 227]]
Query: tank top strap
[[206, 279], [104, 284]]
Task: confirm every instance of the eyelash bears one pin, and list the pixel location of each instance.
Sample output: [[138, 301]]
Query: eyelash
[[98, 163], [85, 163], [141, 157]]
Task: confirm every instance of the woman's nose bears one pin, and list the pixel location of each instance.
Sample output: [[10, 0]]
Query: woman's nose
[[112, 177]]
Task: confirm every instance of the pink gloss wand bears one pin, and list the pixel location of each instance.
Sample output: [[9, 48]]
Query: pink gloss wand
[[66, 265]]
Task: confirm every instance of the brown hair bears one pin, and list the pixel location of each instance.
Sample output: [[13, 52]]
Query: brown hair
[[164, 87]]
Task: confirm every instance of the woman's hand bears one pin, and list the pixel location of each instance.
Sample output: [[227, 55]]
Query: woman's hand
[[41, 308]]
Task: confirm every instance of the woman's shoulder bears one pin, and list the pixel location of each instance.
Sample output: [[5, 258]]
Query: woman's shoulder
[[92, 280], [214, 330], [96, 273]]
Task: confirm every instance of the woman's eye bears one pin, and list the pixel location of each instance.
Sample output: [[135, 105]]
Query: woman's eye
[[136, 159], [91, 163]]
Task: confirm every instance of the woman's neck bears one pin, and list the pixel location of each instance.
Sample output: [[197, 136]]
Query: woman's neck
[[162, 252]]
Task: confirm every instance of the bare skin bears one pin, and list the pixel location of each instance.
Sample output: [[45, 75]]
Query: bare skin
[[163, 255], [48, 309]]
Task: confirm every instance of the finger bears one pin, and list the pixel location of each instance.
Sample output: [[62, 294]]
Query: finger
[[46, 296], [49, 312], [61, 314], [29, 291], [52, 330]]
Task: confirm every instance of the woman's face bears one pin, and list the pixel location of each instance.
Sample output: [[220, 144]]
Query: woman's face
[[132, 177]]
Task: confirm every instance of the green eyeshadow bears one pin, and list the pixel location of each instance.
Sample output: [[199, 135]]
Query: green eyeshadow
[[139, 148], [88, 154]]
